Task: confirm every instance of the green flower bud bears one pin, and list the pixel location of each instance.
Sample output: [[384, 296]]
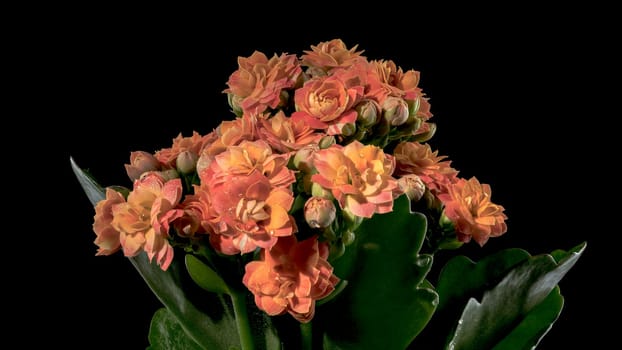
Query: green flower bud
[[187, 162], [395, 110], [368, 112]]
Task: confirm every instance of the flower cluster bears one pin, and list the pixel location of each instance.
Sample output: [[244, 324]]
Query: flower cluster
[[319, 143]]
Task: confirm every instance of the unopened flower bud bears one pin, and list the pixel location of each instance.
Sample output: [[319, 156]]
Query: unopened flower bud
[[235, 104], [395, 110], [412, 186], [303, 159], [319, 212], [413, 106], [187, 162], [141, 162], [367, 113], [327, 141], [348, 129], [337, 248], [348, 237], [319, 191], [425, 132]]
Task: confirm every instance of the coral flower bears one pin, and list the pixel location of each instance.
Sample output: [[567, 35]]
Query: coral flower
[[469, 207], [327, 103], [419, 159], [107, 236], [331, 54], [144, 220], [290, 278], [287, 134], [359, 177], [247, 211], [258, 82]]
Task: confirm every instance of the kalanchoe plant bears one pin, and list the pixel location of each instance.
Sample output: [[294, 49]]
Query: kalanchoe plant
[[310, 219]]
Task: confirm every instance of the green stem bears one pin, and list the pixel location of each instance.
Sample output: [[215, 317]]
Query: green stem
[[241, 318], [306, 333]]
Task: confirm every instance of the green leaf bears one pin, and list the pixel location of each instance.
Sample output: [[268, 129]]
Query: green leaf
[[485, 324], [166, 333], [535, 325], [387, 302], [93, 190], [204, 276], [213, 326]]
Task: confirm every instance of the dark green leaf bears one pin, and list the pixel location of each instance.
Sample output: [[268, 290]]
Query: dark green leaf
[[165, 333], [485, 324], [387, 302], [214, 327], [93, 190], [535, 325], [204, 276]]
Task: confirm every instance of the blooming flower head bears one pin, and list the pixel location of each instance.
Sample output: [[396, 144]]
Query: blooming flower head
[[287, 134], [419, 159], [331, 54], [359, 177], [250, 198], [327, 103], [229, 133], [290, 277], [143, 221], [468, 205], [258, 82], [107, 236]]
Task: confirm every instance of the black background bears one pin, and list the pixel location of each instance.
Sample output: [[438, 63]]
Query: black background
[[515, 97]]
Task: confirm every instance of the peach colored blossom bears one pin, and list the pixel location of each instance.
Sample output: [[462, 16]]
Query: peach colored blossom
[[259, 80], [331, 54], [194, 144], [228, 133], [287, 134], [359, 177], [107, 236], [144, 220], [140, 163], [290, 277], [246, 211], [327, 103], [391, 80], [468, 205], [419, 159], [248, 156], [195, 214]]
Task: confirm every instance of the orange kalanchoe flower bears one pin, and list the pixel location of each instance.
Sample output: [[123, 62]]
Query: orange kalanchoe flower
[[331, 54], [469, 207], [287, 134], [290, 277], [107, 236], [143, 221], [359, 177], [258, 82], [246, 211], [419, 159], [327, 103]]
